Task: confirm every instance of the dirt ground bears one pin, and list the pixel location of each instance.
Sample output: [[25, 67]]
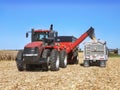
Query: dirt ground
[[74, 77]]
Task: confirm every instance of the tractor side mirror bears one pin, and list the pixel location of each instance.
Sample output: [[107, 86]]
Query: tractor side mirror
[[26, 35]]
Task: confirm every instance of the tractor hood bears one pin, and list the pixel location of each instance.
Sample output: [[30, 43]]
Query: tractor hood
[[33, 44]]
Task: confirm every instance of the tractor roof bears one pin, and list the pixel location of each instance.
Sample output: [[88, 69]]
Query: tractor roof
[[40, 30]]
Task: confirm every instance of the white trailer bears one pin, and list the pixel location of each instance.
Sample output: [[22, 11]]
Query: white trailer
[[95, 51]]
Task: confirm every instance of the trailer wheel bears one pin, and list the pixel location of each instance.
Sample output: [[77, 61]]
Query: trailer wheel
[[46, 56], [19, 61], [63, 59], [102, 63], [86, 63], [54, 60]]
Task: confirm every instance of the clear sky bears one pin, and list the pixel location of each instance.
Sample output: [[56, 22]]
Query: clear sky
[[70, 17]]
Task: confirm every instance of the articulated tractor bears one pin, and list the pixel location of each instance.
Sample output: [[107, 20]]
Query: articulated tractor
[[50, 51]]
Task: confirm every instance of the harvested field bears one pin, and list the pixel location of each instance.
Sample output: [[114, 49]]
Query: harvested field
[[74, 77], [8, 54]]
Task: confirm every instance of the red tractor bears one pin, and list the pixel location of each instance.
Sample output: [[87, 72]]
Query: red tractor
[[50, 51]]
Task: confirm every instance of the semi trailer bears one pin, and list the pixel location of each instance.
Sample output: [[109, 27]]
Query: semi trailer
[[95, 51]]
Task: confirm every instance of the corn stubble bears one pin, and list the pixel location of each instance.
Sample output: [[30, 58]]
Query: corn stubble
[[7, 55], [74, 77]]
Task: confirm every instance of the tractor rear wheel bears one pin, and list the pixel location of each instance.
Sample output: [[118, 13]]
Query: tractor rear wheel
[[54, 60], [45, 55], [19, 61], [63, 59]]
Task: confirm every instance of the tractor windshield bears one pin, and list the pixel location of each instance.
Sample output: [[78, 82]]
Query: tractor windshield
[[40, 36]]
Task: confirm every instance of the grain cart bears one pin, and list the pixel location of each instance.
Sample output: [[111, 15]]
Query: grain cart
[[49, 50], [95, 51]]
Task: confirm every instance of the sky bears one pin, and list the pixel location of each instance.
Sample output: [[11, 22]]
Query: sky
[[69, 17]]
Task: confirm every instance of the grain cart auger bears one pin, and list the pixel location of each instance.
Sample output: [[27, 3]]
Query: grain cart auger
[[47, 50]]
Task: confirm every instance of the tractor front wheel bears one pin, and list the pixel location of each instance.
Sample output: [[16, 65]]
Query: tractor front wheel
[[19, 61], [54, 60]]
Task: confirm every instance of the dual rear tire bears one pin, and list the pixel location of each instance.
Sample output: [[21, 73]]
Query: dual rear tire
[[63, 59], [52, 60], [102, 63], [86, 63], [56, 59]]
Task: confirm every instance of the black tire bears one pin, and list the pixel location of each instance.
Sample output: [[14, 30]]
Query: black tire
[[54, 60], [19, 61], [102, 63], [63, 59], [86, 63], [76, 60], [45, 55]]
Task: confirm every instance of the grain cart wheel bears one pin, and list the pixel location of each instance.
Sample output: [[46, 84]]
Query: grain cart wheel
[[76, 59], [86, 63], [63, 59], [54, 60], [102, 63], [19, 61], [46, 56]]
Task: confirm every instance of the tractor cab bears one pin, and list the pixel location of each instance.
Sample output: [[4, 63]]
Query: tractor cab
[[45, 36], [39, 35]]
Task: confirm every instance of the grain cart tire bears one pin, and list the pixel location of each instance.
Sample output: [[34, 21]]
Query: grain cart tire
[[63, 59], [54, 60], [102, 63], [86, 63], [46, 56], [76, 59], [19, 61]]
